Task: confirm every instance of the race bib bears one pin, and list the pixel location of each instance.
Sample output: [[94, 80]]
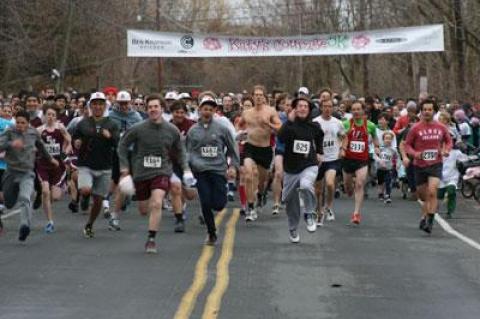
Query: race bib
[[53, 149], [357, 146], [385, 156], [328, 143], [301, 147], [430, 155], [152, 161], [209, 151]]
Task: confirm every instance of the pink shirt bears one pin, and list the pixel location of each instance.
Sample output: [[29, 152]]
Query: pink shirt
[[428, 139]]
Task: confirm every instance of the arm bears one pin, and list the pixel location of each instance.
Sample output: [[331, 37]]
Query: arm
[[232, 150], [41, 148], [283, 133], [409, 140], [275, 123], [122, 150], [447, 142], [67, 143], [319, 144]]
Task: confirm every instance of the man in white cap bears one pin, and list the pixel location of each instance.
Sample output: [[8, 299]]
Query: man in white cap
[[97, 137], [170, 97], [125, 117], [303, 92]]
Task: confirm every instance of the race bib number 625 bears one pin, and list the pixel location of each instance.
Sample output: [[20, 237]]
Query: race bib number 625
[[301, 147]]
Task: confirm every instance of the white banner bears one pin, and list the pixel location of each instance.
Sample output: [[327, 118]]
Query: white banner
[[164, 44]]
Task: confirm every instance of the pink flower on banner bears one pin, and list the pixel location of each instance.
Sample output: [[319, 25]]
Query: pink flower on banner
[[360, 41], [212, 44]]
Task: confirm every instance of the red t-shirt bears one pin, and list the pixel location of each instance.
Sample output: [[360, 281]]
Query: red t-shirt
[[185, 126], [429, 139]]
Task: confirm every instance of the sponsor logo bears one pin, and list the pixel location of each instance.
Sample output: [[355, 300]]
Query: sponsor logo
[[187, 42]]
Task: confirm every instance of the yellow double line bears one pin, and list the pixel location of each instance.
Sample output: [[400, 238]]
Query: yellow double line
[[214, 299]]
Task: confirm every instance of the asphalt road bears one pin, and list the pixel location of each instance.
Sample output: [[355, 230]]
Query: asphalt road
[[386, 268]]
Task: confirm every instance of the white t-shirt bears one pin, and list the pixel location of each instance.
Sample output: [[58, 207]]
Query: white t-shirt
[[464, 129], [332, 129], [450, 173]]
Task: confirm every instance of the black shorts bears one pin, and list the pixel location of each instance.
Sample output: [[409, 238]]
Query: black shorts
[[381, 174], [262, 156], [327, 166], [350, 166], [423, 173]]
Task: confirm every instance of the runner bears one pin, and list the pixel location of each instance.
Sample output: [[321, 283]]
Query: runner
[[97, 137], [334, 133], [388, 162], [4, 124], [20, 144], [428, 142], [58, 143], [125, 118], [259, 121], [303, 153], [178, 192], [355, 155], [154, 141], [284, 103], [206, 144]]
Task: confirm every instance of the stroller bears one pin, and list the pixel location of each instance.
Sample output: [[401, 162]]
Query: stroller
[[470, 172]]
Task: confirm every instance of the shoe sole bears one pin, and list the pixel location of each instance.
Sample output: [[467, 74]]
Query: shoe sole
[[150, 251]]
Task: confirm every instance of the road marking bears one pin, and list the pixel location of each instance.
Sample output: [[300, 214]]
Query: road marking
[[214, 300], [10, 214], [449, 229], [189, 299]]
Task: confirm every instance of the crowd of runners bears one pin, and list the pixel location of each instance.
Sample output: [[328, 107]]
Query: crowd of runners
[[108, 148]]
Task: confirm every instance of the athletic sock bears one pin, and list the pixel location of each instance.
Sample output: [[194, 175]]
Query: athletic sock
[[179, 217], [251, 206], [152, 234]]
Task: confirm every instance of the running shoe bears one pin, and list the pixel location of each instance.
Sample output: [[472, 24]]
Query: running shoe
[[114, 224], [248, 215], [106, 212], [330, 215], [179, 226], [88, 231], [211, 239], [294, 236], [150, 246], [49, 228], [422, 224], [231, 196], [23, 233], [276, 209], [387, 200], [73, 207], [356, 218], [254, 214], [311, 223], [429, 224], [320, 219], [85, 202]]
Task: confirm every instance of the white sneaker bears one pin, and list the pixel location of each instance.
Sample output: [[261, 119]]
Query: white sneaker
[[294, 237], [320, 219], [254, 214], [114, 224], [330, 215], [311, 224], [248, 216], [276, 209]]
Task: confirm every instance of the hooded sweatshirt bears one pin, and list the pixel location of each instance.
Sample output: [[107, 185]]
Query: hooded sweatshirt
[[124, 120]]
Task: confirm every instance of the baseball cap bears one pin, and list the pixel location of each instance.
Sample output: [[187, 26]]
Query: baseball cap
[[110, 90], [303, 90], [207, 99], [97, 96], [123, 96], [184, 96], [171, 95]]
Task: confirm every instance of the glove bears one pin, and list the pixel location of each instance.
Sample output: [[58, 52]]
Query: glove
[[126, 185], [188, 179]]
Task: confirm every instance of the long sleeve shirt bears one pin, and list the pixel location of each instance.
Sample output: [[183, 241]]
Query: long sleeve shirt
[[208, 145], [22, 160], [155, 147]]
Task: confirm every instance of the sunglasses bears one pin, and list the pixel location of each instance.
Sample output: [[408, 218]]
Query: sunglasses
[[139, 104]]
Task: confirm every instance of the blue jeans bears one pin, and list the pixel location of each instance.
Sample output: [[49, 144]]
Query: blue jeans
[[212, 190]]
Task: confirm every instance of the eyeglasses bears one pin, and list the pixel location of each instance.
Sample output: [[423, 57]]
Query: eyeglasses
[[139, 104]]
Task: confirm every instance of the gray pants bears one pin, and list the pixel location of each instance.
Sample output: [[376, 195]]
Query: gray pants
[[299, 194], [21, 182]]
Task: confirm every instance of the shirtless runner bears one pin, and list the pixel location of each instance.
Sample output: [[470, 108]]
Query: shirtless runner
[[259, 122]]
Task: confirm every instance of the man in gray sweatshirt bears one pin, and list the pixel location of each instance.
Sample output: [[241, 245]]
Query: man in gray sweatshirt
[[154, 141], [209, 143], [21, 144]]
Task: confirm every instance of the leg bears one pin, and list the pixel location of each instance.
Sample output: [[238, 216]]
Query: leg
[[348, 183], [155, 206], [432, 202], [360, 179], [306, 190], [176, 198], [388, 182], [330, 176], [452, 199], [290, 196], [277, 180], [218, 194], [143, 207], [26, 187], [205, 194], [249, 166], [319, 186], [46, 200]]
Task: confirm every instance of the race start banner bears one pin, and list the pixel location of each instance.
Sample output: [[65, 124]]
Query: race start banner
[[165, 44]]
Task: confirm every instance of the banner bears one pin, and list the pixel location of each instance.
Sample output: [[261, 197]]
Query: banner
[[165, 44]]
